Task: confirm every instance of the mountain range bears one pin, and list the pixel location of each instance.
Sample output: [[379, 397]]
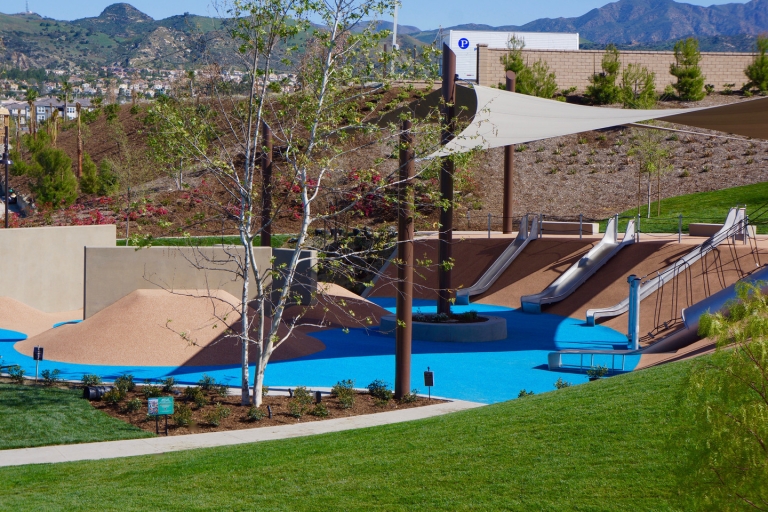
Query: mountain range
[[122, 35]]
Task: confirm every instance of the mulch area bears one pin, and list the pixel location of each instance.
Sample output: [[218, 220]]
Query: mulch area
[[237, 418]]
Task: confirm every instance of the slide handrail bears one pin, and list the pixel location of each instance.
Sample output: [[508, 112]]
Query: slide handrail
[[501, 263], [735, 218], [582, 270]]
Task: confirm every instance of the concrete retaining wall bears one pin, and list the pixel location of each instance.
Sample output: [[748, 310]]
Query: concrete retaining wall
[[43, 267], [573, 68]]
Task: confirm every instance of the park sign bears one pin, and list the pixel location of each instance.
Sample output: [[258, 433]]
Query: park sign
[[160, 406]]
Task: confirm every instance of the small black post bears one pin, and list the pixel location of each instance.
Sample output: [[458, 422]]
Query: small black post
[[166, 424], [269, 411], [318, 397], [157, 425]]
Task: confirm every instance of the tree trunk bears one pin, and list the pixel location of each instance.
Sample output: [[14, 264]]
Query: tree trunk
[[649, 196], [79, 144], [658, 194]]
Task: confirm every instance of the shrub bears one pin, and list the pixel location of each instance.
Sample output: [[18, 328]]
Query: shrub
[[603, 89], [638, 87], [151, 391], [255, 414], [90, 379], [468, 316], [757, 72], [196, 395], [111, 112], [537, 80], [690, 80], [523, 393], [169, 385], [560, 383], [133, 405], [513, 61], [114, 396], [50, 377], [380, 390], [299, 404], [345, 392], [207, 383], [108, 179], [320, 410], [89, 180], [347, 401], [411, 397], [221, 389], [55, 183], [16, 373], [597, 372], [264, 390], [215, 415], [125, 383], [182, 415]]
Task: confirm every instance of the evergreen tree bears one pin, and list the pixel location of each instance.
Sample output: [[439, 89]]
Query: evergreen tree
[[638, 87], [757, 72], [537, 80], [89, 181], [55, 182], [690, 80], [513, 61], [604, 90]]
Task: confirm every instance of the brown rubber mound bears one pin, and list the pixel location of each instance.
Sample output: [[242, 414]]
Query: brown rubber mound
[[17, 316], [472, 256], [540, 263]]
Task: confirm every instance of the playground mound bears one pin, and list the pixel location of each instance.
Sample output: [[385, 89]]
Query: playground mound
[[189, 328], [17, 316]]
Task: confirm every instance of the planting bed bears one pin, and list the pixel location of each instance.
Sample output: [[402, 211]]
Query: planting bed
[[237, 418]]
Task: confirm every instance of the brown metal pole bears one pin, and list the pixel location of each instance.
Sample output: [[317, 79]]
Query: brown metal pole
[[5, 159], [266, 186], [509, 169], [79, 143], [405, 264], [444, 249]]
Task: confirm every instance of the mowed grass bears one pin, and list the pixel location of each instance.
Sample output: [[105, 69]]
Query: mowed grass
[[707, 207], [277, 241], [598, 446], [36, 416]]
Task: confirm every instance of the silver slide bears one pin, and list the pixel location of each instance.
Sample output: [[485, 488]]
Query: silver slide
[[734, 219], [582, 270], [501, 264]]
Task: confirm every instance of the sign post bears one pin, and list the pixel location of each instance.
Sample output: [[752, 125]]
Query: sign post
[[160, 406], [37, 355], [429, 381]]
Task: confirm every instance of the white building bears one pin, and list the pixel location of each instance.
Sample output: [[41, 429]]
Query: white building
[[464, 45]]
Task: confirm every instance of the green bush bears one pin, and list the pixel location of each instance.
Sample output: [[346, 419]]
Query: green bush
[[638, 87], [255, 414], [757, 72], [114, 396], [108, 180], [195, 394], [560, 383], [55, 183], [380, 390], [182, 415], [690, 80], [169, 385], [125, 383], [320, 410], [299, 404], [50, 377], [411, 397], [16, 374], [523, 393], [151, 391], [133, 405], [215, 415], [603, 89], [537, 80], [111, 112], [207, 383], [597, 372], [90, 379], [221, 389]]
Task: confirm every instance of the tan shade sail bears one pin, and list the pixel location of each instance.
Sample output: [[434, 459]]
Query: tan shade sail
[[503, 118]]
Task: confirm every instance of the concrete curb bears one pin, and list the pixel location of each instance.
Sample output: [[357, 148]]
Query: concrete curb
[[156, 445]]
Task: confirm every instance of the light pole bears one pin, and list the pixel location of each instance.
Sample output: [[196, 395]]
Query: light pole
[[6, 121]]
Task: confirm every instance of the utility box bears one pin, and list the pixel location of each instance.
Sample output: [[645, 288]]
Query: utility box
[[464, 45]]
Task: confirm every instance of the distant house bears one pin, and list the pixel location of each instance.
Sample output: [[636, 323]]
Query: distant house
[[43, 108]]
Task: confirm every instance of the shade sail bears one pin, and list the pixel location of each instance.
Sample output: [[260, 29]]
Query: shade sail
[[503, 118]]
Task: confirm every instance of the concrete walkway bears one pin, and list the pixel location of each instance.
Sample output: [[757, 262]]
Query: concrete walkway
[[162, 444]]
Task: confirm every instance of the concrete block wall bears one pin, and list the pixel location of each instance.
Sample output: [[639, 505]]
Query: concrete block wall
[[573, 68]]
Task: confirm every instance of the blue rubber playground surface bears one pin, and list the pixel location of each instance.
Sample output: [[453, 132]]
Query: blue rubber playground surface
[[482, 372]]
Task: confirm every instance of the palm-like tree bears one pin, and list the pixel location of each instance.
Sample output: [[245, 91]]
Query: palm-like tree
[[66, 88], [31, 98]]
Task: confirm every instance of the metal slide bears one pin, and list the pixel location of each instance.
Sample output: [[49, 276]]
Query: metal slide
[[501, 264], [734, 219], [575, 276], [673, 342]]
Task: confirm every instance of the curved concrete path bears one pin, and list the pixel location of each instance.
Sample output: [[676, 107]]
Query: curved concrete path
[[162, 444]]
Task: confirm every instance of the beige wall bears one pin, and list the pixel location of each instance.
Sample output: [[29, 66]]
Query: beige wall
[[573, 68], [43, 267], [112, 273]]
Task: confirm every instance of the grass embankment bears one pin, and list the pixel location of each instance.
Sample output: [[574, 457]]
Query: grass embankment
[[706, 207], [599, 446], [37, 416], [278, 241]]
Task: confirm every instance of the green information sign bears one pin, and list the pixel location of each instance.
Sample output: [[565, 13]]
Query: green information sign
[[160, 406]]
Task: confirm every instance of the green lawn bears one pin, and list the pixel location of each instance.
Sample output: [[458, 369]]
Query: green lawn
[[36, 416], [598, 446], [708, 207], [278, 241]]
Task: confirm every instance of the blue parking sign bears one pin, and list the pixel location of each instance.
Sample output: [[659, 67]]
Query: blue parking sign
[[463, 43]]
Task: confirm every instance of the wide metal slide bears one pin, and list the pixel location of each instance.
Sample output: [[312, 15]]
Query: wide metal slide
[[582, 270]]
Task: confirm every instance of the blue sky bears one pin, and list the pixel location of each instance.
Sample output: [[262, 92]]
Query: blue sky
[[425, 14]]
